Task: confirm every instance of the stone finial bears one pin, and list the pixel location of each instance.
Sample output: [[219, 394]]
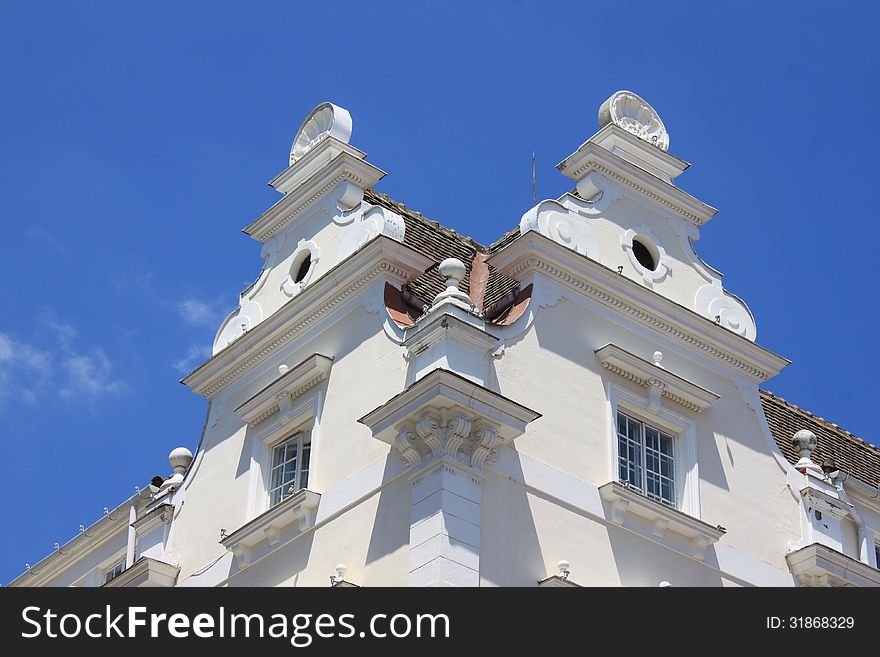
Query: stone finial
[[179, 459], [804, 441], [341, 569], [326, 120], [658, 358], [453, 270], [632, 113], [564, 569]]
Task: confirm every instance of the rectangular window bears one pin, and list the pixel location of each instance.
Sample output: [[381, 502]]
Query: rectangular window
[[290, 467], [646, 459], [877, 554], [114, 571]]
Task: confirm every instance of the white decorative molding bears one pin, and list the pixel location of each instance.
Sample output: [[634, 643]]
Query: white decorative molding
[[146, 573], [382, 260], [644, 180], [656, 378], [595, 194], [292, 516], [663, 261], [535, 253], [636, 116], [714, 303], [304, 248], [326, 120], [237, 323], [281, 393], [445, 414], [327, 165], [819, 565], [374, 221], [662, 520], [553, 220]]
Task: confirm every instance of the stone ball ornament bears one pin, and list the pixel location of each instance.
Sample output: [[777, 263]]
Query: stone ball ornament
[[636, 116], [804, 441], [180, 458]]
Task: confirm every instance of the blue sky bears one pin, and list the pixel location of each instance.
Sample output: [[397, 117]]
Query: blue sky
[[136, 140]]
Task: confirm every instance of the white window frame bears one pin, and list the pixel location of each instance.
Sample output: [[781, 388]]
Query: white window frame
[[303, 415], [108, 570], [680, 427], [642, 465], [301, 438]]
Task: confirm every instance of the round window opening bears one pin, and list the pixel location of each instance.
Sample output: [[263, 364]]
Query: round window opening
[[645, 254], [303, 268]]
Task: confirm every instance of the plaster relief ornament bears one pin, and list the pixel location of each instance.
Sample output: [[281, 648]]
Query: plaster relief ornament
[[636, 116], [326, 120]]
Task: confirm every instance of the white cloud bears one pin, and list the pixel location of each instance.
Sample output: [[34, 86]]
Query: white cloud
[[31, 373], [195, 355], [89, 377], [196, 312]]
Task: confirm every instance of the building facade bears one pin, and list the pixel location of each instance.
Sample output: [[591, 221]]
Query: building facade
[[578, 403]]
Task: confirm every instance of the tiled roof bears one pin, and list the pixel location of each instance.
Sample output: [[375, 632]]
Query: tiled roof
[[439, 242], [853, 455]]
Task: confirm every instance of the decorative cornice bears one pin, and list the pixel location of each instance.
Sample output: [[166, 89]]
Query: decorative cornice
[[819, 565], [146, 572], [285, 389], [87, 540], [536, 253], [380, 259], [651, 375], [592, 157], [344, 166], [623, 499], [444, 414], [301, 507]]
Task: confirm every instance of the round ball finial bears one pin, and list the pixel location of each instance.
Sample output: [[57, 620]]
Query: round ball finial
[[564, 567], [804, 441], [658, 358], [282, 368], [453, 268], [179, 459], [636, 116], [341, 569]]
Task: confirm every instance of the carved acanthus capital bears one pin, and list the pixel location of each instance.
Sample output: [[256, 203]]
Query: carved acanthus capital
[[455, 435]]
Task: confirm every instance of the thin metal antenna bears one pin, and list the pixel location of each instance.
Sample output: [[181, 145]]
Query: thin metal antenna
[[534, 181]]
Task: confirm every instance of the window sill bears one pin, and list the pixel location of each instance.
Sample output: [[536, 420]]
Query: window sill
[[274, 525], [819, 565], [657, 522]]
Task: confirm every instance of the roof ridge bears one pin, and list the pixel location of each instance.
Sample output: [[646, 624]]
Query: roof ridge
[[821, 420], [418, 216]]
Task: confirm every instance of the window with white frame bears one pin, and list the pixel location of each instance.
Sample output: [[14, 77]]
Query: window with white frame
[[114, 571], [290, 467], [646, 459]]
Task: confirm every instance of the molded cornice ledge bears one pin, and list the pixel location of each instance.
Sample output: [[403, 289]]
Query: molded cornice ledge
[[657, 521], [593, 157], [382, 259], [109, 526], [819, 565], [146, 573], [285, 389], [284, 521], [534, 253], [653, 376], [326, 165], [445, 414]]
